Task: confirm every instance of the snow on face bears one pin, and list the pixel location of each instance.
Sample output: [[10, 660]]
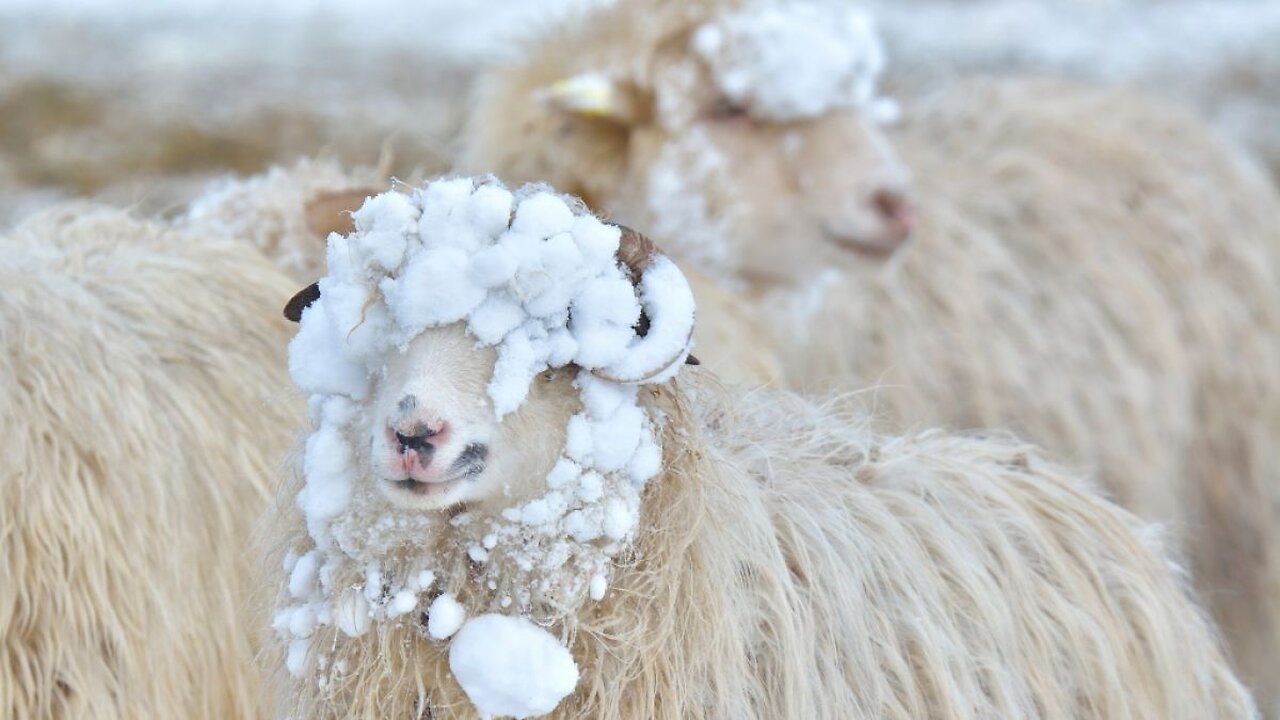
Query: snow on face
[[535, 277], [794, 61]]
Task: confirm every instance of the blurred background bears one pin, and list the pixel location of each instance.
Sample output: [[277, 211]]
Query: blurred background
[[145, 103]]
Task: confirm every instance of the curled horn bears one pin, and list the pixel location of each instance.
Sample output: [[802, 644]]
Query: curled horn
[[640, 256], [299, 302]]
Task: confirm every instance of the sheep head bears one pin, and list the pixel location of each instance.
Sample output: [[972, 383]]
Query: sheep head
[[435, 438], [741, 153]]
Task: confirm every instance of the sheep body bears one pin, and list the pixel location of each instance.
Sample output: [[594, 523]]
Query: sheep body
[[139, 425], [1132, 324], [790, 563], [1089, 270]]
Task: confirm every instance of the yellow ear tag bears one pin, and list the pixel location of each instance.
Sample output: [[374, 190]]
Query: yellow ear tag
[[590, 94]]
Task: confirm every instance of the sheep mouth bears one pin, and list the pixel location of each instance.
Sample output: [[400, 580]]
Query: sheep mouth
[[469, 465], [870, 249]]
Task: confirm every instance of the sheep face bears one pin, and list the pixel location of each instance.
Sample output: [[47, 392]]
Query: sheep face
[[766, 199], [777, 198], [434, 439]]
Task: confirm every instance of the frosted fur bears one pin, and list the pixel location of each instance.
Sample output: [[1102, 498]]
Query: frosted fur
[[1133, 362], [789, 563], [145, 410]]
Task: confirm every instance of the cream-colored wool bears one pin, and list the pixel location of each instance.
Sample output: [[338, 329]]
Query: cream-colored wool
[[790, 563], [1133, 325], [282, 211], [288, 212], [144, 410], [1090, 271]]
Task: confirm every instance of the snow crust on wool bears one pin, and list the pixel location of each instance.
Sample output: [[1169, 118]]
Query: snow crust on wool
[[534, 275], [509, 666], [795, 60]]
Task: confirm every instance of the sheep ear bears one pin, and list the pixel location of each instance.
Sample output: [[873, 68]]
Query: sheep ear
[[595, 96], [307, 295], [330, 212]]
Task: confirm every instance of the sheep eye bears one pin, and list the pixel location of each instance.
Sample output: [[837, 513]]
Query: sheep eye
[[725, 109]]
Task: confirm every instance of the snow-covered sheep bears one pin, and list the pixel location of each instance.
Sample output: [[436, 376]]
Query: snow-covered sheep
[[495, 521], [1087, 269], [140, 423], [288, 212]]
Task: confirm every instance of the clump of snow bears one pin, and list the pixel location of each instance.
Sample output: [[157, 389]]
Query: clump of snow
[[534, 275], [795, 60], [444, 617], [509, 666]]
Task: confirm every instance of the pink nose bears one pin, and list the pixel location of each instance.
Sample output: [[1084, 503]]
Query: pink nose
[[895, 211], [416, 439]]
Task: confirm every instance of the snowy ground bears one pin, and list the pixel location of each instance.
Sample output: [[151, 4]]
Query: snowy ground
[[141, 103]]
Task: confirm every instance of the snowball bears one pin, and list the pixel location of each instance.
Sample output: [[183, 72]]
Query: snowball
[[561, 256], [488, 210], [615, 440], [385, 251], [591, 487], [302, 581], [402, 602], [542, 215], [564, 472], [327, 467], [509, 666], [578, 442], [424, 580], [316, 360], [492, 266], [597, 242], [444, 617], [498, 315], [433, 290], [598, 586], [646, 462], [390, 212], [518, 363], [602, 398], [793, 61], [618, 519]]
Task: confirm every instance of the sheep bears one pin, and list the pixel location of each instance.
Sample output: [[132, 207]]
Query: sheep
[[287, 213], [140, 427], [775, 557], [1087, 269]]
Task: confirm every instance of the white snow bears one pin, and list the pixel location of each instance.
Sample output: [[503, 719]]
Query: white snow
[[794, 60], [509, 666], [444, 617]]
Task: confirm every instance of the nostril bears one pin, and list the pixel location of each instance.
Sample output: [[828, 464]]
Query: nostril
[[892, 206], [417, 442]]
